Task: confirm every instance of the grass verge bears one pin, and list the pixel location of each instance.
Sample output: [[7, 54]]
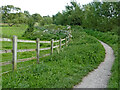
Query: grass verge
[[112, 40]]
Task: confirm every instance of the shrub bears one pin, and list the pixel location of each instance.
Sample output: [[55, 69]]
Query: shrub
[[47, 32]]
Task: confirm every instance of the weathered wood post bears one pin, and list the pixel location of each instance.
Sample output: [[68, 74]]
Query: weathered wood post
[[14, 52], [60, 43], [65, 41], [69, 36], [37, 49], [52, 42]]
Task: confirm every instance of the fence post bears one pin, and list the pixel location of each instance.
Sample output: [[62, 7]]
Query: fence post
[[37, 49], [52, 42], [66, 41], [60, 44], [69, 35], [14, 52]]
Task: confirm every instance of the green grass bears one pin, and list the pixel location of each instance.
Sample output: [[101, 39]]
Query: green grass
[[18, 31], [21, 45], [64, 70], [8, 32], [112, 40], [22, 55]]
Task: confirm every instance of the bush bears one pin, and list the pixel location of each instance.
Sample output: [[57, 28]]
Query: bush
[[47, 32], [30, 28]]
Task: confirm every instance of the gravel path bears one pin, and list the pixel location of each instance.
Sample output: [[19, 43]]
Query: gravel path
[[100, 76]]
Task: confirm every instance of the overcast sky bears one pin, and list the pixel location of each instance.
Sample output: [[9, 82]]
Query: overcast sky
[[43, 7]]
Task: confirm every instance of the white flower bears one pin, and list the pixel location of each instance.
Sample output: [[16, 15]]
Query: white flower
[[37, 31], [68, 27], [45, 30], [70, 35]]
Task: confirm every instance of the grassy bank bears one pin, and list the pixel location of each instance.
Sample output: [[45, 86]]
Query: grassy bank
[[22, 55], [112, 40], [64, 70]]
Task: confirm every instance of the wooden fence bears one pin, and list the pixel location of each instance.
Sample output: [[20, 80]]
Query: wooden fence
[[38, 49]]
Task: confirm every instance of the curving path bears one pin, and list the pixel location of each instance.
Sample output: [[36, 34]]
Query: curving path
[[100, 76]]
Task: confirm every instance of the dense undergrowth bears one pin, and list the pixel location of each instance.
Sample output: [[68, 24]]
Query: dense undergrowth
[[47, 32], [64, 70], [111, 39]]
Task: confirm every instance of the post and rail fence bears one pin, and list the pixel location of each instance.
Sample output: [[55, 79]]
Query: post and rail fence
[[38, 49]]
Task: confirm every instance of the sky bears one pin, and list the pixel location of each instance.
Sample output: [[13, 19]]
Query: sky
[[43, 7]]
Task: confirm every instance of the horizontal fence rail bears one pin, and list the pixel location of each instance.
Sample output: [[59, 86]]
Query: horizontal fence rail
[[21, 60], [5, 51], [25, 41], [21, 50], [28, 50], [14, 51]]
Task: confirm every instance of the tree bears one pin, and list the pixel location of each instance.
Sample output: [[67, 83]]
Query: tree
[[100, 16], [27, 13], [47, 20], [37, 17], [58, 19], [13, 15], [71, 16], [30, 28], [7, 10]]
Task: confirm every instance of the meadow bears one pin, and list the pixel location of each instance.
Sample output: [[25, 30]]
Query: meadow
[[64, 70], [8, 32]]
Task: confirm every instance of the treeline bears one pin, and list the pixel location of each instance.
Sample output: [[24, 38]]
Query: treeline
[[13, 15], [102, 16]]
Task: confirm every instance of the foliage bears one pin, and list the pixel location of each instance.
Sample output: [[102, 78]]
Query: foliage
[[30, 28], [102, 16], [48, 32], [71, 16], [63, 70], [13, 15], [27, 13], [36, 17], [47, 20]]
